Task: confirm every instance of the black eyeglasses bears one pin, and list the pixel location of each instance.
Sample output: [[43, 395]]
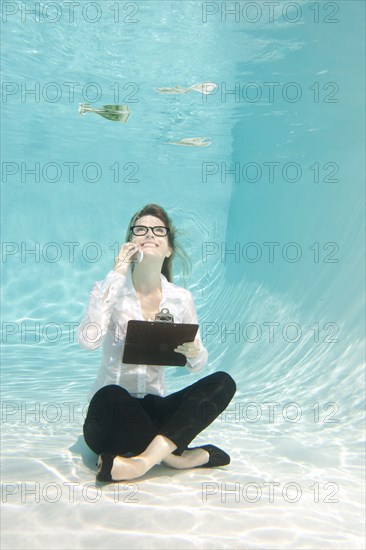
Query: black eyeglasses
[[158, 230]]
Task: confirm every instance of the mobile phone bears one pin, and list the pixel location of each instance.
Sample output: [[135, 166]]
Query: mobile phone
[[137, 257]]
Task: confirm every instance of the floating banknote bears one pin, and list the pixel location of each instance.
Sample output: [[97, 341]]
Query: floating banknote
[[117, 113], [203, 88], [195, 142]]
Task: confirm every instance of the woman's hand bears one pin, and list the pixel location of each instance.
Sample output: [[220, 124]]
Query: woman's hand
[[128, 253], [189, 349]]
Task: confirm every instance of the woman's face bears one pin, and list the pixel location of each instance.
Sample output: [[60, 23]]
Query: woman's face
[[151, 244]]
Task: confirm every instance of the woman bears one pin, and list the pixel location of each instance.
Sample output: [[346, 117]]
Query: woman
[[131, 424]]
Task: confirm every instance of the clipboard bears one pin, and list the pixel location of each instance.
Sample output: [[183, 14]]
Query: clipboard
[[153, 342]]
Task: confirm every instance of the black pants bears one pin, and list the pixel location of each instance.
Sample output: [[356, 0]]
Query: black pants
[[120, 424]]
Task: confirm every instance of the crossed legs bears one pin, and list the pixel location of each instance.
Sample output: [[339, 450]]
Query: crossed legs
[[155, 429]]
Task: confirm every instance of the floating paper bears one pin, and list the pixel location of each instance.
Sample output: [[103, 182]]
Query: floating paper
[[195, 142], [203, 88], [117, 113]]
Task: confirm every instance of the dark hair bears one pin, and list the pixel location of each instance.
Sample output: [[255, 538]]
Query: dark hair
[[177, 250]]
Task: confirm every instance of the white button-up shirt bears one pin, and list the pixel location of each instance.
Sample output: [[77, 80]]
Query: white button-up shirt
[[112, 303]]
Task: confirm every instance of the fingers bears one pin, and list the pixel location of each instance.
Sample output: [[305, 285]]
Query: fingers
[[126, 252], [189, 349]]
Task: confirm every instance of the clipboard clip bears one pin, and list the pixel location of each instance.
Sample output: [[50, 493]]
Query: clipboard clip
[[164, 316]]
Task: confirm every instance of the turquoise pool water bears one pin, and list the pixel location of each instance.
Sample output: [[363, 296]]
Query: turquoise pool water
[[272, 215]]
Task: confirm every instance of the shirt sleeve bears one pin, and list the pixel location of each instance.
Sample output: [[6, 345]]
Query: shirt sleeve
[[94, 325], [194, 364]]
